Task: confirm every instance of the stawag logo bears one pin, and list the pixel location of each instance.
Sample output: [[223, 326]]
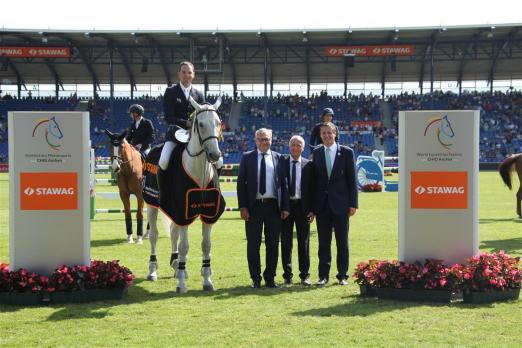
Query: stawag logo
[[48, 191], [52, 132], [29, 191], [420, 190], [439, 190], [442, 129]]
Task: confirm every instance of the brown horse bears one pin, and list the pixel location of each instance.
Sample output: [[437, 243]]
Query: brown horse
[[511, 164], [128, 166]]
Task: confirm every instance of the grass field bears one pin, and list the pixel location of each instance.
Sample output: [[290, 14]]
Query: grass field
[[153, 315]]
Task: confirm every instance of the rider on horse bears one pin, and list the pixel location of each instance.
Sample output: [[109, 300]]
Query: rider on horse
[[141, 131]]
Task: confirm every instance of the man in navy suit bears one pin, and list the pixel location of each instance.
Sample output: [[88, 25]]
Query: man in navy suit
[[262, 196], [177, 108], [298, 172], [335, 201], [141, 131]]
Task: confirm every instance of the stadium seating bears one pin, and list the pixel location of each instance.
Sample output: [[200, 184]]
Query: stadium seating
[[500, 125]]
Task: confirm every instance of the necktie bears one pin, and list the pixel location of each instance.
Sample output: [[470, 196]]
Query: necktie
[[328, 162], [262, 175], [294, 175]]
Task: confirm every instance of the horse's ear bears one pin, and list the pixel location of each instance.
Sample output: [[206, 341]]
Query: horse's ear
[[108, 132], [123, 134], [217, 104], [194, 104]]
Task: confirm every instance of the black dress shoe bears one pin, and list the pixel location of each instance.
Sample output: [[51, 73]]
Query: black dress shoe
[[256, 284], [270, 284]]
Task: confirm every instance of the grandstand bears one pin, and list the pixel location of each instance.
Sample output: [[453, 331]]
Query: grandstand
[[366, 91]]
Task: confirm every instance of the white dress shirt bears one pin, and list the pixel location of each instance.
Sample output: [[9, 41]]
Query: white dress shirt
[[138, 123], [333, 153], [270, 175], [186, 90]]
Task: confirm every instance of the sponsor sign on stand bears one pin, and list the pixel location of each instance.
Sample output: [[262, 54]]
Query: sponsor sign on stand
[[438, 194], [49, 190]]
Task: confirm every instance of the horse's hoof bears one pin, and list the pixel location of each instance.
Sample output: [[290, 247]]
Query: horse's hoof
[[181, 290], [152, 277], [209, 287]]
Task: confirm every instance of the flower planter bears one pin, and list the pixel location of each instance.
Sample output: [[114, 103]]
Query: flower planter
[[491, 296], [88, 295], [418, 295], [5, 298], [21, 298], [367, 290]]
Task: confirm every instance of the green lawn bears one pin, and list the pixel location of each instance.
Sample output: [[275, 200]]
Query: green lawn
[[234, 315]]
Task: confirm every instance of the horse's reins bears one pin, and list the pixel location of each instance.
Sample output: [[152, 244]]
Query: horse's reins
[[195, 125], [201, 141]]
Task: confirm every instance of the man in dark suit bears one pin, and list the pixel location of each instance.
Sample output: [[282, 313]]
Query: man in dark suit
[[335, 201], [298, 172], [263, 202], [141, 131], [177, 108]]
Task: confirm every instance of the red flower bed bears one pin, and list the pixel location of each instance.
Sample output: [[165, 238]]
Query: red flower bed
[[376, 187], [98, 275], [484, 272]]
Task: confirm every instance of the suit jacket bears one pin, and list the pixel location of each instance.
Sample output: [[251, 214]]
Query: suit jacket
[[340, 191], [306, 177], [143, 135], [247, 185], [176, 107]]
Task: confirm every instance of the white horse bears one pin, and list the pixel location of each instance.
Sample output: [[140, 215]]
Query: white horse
[[201, 152]]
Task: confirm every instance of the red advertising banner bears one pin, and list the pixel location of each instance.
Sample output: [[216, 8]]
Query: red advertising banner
[[369, 51], [35, 52], [4, 167]]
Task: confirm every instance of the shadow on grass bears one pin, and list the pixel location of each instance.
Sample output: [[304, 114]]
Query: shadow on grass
[[508, 245], [357, 306], [107, 242], [138, 294], [490, 221]]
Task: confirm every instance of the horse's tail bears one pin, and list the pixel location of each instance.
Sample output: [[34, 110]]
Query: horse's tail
[[506, 167]]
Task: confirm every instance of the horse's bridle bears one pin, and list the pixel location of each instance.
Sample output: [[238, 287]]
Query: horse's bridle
[[195, 125], [120, 160]]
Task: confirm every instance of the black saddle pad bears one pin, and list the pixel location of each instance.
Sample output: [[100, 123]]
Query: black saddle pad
[[150, 183]]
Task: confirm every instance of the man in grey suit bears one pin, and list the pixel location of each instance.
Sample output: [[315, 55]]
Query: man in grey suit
[[335, 201], [298, 172], [263, 202]]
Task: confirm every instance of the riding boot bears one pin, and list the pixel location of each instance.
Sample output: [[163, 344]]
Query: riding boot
[[128, 226]]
